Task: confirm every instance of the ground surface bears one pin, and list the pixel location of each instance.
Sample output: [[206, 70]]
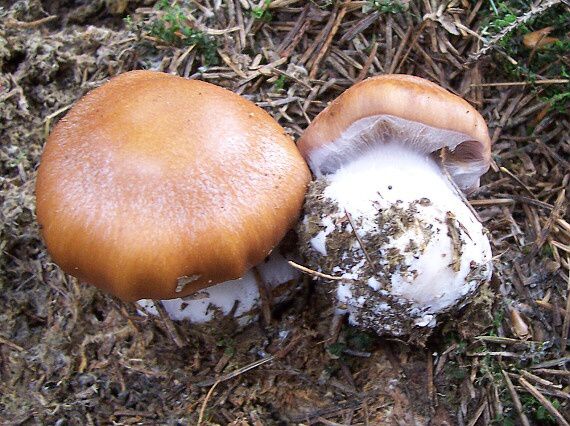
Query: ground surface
[[71, 355]]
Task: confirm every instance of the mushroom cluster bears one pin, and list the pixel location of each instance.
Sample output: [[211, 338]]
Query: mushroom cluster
[[158, 187], [386, 214]]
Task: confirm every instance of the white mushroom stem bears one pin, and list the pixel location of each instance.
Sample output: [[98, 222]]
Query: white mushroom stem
[[428, 249], [220, 299]]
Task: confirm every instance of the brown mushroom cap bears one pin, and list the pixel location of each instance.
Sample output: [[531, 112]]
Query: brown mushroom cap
[[406, 109], [152, 177]]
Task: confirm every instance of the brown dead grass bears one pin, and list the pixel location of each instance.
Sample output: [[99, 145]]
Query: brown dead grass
[[72, 355]]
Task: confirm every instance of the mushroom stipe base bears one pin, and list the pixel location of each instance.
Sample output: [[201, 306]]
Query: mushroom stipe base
[[398, 233]]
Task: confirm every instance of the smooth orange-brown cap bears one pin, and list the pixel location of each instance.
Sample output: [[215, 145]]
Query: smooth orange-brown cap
[[402, 109], [153, 180]]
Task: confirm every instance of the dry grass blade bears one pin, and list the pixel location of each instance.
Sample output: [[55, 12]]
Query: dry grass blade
[[522, 83], [312, 272], [566, 323], [237, 372]]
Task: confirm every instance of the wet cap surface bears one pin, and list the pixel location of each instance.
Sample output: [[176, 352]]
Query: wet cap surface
[[152, 177]]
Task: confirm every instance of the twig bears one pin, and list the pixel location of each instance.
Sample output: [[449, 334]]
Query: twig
[[552, 363], [324, 49], [11, 344], [545, 402], [516, 400], [312, 272], [550, 307], [554, 214], [480, 410], [539, 380], [563, 247], [237, 372], [292, 39], [566, 322], [493, 41], [167, 321], [490, 353], [264, 295], [50, 117], [491, 202], [364, 71], [411, 45], [13, 23], [506, 340], [527, 200], [360, 242], [522, 83], [550, 371], [430, 383], [517, 179], [205, 403]]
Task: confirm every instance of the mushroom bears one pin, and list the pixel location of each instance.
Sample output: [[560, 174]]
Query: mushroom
[[156, 187], [386, 213]]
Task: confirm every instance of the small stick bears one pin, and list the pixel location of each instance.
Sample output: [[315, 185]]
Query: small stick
[[550, 307], [516, 399], [292, 39], [360, 242], [527, 200], [564, 247], [13, 23], [324, 49], [264, 295], [517, 179], [505, 340], [11, 344], [503, 354], [545, 402], [566, 322], [237, 372], [551, 363], [411, 45], [430, 384], [205, 403], [521, 83], [480, 410], [533, 13], [50, 117], [550, 371], [396, 60], [170, 327], [336, 326], [312, 272], [554, 214], [364, 71], [491, 202], [458, 190], [539, 380]]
